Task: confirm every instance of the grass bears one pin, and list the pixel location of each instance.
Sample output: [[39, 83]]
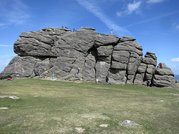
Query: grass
[[58, 107]]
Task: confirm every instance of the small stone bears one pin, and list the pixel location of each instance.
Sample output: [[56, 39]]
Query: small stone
[[104, 125], [79, 130], [129, 123], [10, 97], [3, 108], [14, 97], [161, 100]]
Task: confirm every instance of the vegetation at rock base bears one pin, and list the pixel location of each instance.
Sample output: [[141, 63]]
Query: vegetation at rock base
[[53, 107]]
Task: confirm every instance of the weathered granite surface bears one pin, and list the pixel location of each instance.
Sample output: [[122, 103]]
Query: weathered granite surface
[[86, 55]]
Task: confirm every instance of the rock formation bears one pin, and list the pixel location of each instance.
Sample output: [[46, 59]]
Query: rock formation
[[163, 76], [86, 55]]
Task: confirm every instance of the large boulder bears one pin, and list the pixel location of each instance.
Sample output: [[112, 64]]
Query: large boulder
[[21, 67], [39, 43], [164, 76]]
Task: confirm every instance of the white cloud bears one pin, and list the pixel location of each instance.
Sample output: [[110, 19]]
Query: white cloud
[[12, 12], [95, 10], [154, 1], [175, 59], [131, 8]]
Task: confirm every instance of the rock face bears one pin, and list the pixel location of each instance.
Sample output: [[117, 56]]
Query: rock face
[[86, 55]]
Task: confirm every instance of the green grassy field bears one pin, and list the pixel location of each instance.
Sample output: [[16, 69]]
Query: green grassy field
[[58, 107]]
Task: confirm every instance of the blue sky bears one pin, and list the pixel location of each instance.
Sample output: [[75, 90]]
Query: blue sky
[[154, 23]]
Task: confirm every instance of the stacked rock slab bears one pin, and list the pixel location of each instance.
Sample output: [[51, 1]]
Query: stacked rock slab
[[164, 76], [84, 54], [146, 69], [126, 58]]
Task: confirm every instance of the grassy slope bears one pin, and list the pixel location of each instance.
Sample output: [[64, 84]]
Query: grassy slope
[[50, 107]]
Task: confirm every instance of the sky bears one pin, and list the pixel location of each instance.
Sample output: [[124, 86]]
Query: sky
[[154, 23]]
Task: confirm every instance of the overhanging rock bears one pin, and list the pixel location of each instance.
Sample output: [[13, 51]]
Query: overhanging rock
[[84, 54]]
